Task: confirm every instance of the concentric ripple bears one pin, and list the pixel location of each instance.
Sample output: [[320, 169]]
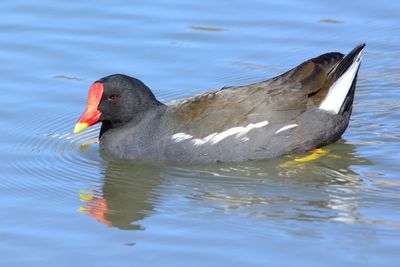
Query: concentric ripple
[[49, 155]]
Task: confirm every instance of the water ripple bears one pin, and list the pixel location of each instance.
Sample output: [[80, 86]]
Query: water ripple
[[51, 156]]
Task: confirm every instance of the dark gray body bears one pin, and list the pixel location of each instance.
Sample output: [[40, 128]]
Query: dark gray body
[[179, 131], [316, 128]]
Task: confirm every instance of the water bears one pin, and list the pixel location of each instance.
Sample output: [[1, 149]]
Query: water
[[61, 204]]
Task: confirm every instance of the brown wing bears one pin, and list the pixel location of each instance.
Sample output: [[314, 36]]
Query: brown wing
[[279, 99]]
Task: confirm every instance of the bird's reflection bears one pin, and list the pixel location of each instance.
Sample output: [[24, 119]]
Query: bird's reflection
[[323, 188], [126, 195]]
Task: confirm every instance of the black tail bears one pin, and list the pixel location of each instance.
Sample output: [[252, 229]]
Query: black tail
[[345, 63]]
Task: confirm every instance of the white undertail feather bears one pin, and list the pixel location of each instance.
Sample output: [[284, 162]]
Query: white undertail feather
[[340, 88]]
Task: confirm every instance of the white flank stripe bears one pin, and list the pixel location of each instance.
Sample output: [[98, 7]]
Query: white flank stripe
[[218, 137], [287, 127], [199, 142], [338, 91], [238, 131], [179, 137]]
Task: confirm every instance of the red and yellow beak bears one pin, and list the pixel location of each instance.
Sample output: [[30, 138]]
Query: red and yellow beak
[[91, 115]]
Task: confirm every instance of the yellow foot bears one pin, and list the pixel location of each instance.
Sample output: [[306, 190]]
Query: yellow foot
[[315, 154]]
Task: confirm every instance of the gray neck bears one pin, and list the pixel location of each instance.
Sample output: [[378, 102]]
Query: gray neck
[[154, 112]]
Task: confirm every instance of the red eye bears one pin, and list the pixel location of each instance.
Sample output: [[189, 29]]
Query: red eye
[[113, 97]]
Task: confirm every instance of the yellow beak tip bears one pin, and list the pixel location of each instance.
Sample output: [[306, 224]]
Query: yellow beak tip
[[80, 127]]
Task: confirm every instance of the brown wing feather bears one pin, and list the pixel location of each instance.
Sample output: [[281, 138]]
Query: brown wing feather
[[279, 99]]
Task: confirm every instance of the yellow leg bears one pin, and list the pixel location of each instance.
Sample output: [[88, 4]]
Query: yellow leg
[[315, 154]]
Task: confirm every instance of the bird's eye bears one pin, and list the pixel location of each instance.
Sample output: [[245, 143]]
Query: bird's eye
[[113, 97]]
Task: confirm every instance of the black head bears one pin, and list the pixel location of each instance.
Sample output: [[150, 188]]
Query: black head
[[115, 100], [124, 99]]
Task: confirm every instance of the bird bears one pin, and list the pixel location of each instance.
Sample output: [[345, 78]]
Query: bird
[[305, 108]]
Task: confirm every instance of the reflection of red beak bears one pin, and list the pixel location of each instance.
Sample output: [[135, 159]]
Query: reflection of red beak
[[91, 115], [95, 207]]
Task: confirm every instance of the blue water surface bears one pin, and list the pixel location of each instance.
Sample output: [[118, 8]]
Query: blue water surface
[[63, 205]]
